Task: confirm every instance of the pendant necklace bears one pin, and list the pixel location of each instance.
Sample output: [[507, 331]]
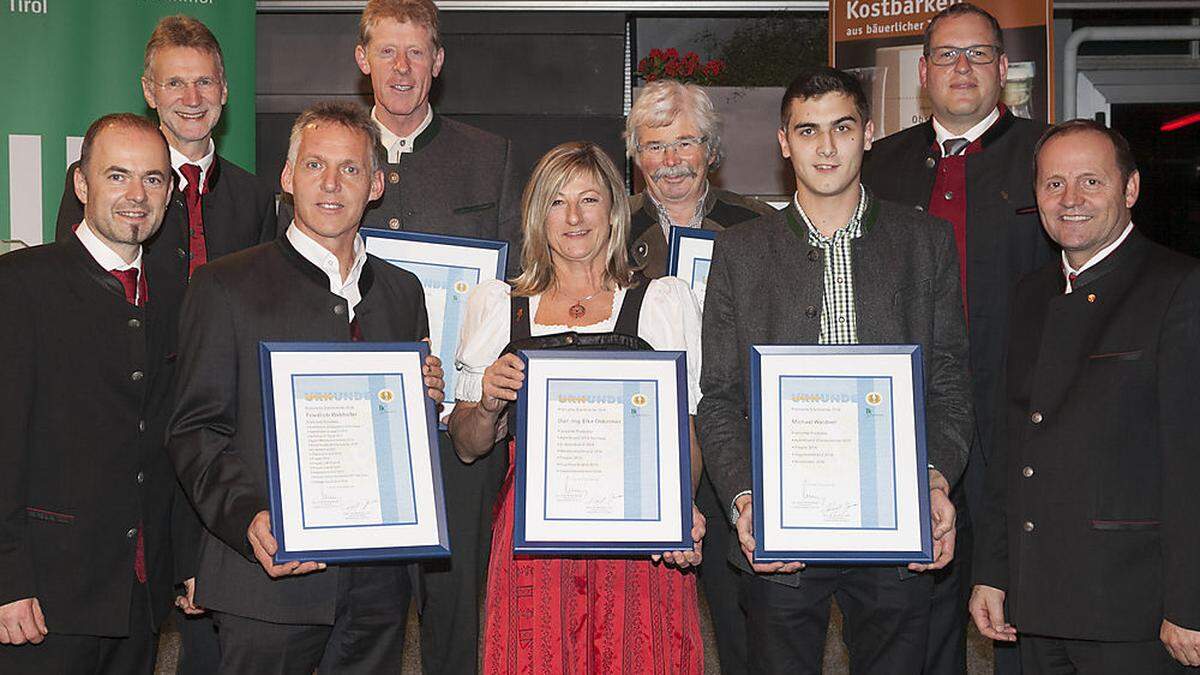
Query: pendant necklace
[[577, 310]]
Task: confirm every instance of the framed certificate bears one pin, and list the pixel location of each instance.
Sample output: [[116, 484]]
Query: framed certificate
[[448, 267], [838, 452], [691, 256], [602, 454], [352, 454]]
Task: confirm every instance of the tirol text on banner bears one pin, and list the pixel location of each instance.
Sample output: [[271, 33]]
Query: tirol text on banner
[[71, 61], [880, 42]]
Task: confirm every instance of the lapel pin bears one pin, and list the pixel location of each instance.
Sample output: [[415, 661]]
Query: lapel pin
[[1091, 297]]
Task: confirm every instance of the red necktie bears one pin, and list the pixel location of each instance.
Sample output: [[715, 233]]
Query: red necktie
[[191, 193], [131, 280], [1071, 277]]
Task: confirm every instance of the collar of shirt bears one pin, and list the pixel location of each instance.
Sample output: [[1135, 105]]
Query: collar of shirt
[[664, 216], [971, 135], [1100, 255], [178, 159], [105, 256], [399, 145], [310, 250], [851, 230]]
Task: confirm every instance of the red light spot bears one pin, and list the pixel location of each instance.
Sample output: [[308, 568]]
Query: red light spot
[[1181, 122]]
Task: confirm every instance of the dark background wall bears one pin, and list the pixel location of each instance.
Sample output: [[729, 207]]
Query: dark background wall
[[537, 78]]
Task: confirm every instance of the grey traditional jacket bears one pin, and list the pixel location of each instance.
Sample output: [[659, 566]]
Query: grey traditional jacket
[[766, 287], [648, 245], [459, 181]]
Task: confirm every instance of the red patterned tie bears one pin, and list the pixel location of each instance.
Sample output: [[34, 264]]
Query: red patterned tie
[[196, 245], [131, 281]]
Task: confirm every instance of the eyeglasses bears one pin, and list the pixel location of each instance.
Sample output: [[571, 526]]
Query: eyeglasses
[[978, 54], [684, 146], [178, 85]]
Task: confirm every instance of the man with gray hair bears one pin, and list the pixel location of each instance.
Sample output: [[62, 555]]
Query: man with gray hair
[[316, 283], [673, 135]]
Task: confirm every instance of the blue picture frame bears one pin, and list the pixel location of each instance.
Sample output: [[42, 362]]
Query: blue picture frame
[[446, 350], [766, 550], [678, 234], [682, 261], [286, 553], [523, 544]]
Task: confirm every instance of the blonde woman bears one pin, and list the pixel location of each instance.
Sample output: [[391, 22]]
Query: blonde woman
[[567, 615]]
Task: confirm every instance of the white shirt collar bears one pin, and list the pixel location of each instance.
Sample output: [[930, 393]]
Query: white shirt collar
[[105, 256], [1095, 260], [178, 159], [399, 145], [310, 250], [971, 135], [102, 254]]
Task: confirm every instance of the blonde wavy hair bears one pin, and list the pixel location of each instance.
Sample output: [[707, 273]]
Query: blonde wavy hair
[[555, 169]]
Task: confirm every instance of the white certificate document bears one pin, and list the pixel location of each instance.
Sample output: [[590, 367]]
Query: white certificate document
[[601, 461], [602, 453], [448, 268], [831, 438], [352, 456], [355, 464], [839, 460]]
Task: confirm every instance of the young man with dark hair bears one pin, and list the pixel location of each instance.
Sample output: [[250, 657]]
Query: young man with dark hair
[[969, 164], [837, 266], [86, 488]]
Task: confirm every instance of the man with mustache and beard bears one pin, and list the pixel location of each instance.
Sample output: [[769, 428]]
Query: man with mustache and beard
[[673, 135]]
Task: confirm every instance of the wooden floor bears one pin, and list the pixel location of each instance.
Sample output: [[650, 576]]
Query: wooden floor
[[979, 653]]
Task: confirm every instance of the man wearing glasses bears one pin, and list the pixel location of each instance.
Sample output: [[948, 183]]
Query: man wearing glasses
[[216, 208], [673, 135], [970, 164]]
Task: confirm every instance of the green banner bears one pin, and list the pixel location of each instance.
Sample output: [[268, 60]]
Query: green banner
[[67, 62]]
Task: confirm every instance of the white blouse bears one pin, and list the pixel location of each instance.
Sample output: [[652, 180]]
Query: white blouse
[[669, 321]]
